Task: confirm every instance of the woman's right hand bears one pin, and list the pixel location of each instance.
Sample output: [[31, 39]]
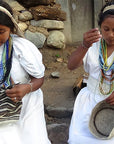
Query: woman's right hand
[[90, 37], [76, 58]]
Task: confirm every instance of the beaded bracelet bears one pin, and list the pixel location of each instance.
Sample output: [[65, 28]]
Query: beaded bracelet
[[84, 46], [30, 86]]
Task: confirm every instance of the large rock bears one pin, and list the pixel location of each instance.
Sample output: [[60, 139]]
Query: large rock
[[37, 38], [15, 5], [23, 26], [49, 24], [56, 39], [59, 112], [29, 3], [48, 12], [38, 29], [25, 16], [58, 133]]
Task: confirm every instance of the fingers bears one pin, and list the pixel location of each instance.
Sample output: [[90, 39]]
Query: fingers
[[91, 36], [93, 30], [15, 99], [18, 91], [110, 99], [14, 94]]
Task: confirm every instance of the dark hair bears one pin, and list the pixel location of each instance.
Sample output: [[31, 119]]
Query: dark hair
[[4, 18], [106, 14]]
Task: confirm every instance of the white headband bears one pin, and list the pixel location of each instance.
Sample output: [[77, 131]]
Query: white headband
[[18, 30], [108, 8]]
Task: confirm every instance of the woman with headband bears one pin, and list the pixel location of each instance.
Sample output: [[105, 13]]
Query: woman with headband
[[96, 53], [22, 118]]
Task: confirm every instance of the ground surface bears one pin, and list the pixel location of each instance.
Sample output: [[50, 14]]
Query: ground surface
[[57, 89], [58, 92]]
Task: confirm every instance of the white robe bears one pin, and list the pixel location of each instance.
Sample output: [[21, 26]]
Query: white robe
[[86, 100], [31, 127]]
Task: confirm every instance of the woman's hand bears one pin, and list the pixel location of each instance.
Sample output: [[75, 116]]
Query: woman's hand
[[76, 58], [18, 91], [110, 99], [91, 37]]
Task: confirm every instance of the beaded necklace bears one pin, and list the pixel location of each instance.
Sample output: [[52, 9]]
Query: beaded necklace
[[105, 68], [5, 64]]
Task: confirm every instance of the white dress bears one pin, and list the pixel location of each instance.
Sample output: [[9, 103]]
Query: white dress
[[86, 100], [31, 127]]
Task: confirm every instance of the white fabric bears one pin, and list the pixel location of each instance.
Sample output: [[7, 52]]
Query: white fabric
[[86, 100], [31, 127]]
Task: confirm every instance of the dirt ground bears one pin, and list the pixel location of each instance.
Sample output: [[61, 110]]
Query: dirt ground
[[58, 92]]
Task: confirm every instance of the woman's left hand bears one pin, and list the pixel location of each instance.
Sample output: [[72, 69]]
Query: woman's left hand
[[18, 92], [110, 99]]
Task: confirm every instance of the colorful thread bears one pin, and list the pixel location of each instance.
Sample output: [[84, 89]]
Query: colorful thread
[[5, 64], [105, 68]]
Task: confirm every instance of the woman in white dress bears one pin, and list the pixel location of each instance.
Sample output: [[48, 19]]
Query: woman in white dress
[[22, 118], [100, 67]]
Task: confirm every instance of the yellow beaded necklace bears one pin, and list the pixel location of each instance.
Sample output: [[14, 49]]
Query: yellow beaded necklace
[[105, 78]]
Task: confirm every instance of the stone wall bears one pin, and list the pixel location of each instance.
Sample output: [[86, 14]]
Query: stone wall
[[43, 23], [80, 16]]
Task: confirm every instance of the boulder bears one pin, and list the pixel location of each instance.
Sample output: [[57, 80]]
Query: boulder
[[58, 133], [25, 16], [23, 26], [15, 5], [48, 24], [56, 39], [38, 29], [48, 12], [29, 3], [36, 38]]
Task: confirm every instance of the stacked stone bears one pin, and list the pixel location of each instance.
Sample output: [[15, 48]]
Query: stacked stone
[[41, 21]]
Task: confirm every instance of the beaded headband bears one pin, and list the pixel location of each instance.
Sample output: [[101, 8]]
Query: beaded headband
[[108, 8], [18, 30]]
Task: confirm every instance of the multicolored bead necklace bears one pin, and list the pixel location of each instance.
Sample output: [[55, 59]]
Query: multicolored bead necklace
[[5, 64], [105, 68]]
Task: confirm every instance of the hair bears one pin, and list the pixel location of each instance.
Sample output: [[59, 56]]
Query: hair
[[103, 15], [4, 18]]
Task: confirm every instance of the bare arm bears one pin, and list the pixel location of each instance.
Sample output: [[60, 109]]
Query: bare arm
[[110, 99], [20, 90], [76, 57]]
